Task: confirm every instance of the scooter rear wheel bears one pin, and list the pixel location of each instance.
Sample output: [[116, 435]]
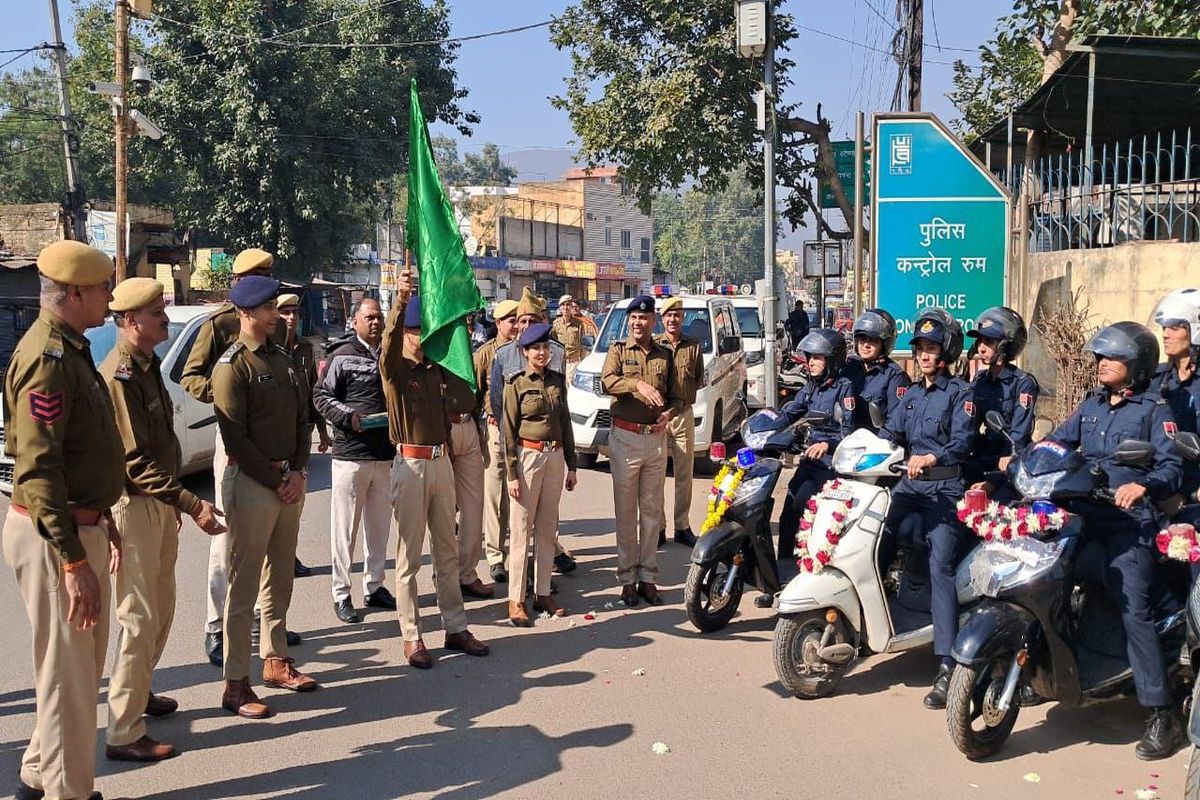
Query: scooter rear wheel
[[977, 726], [800, 670], [707, 608]]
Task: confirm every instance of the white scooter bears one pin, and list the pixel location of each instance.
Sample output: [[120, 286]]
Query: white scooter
[[827, 617]]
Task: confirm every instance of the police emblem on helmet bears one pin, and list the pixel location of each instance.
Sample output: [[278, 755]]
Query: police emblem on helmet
[[926, 326]]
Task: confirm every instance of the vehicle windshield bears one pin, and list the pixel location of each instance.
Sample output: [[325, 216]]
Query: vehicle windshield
[[696, 324], [749, 322], [104, 338]]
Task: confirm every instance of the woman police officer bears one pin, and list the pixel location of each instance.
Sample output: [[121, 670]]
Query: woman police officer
[[876, 378]]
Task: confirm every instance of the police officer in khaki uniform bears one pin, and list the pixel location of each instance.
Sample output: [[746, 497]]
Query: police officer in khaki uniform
[[422, 479], [495, 491], [215, 337], [466, 459], [304, 357], [681, 432], [568, 330], [260, 406], [58, 534], [148, 517], [640, 377], [539, 454]]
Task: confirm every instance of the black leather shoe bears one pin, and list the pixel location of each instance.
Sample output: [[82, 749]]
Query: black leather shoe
[[380, 598], [499, 573], [293, 638], [1164, 735], [936, 699], [214, 648], [662, 537], [25, 792], [564, 563], [1028, 698], [346, 611], [685, 537], [301, 570], [764, 600]]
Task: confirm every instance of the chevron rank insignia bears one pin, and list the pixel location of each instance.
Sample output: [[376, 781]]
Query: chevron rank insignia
[[46, 407]]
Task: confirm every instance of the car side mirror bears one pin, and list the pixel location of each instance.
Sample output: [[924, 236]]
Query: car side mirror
[[1134, 452], [588, 342], [878, 418], [728, 344], [1187, 444]]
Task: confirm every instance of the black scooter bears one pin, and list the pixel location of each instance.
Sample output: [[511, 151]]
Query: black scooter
[[739, 551], [1047, 620]]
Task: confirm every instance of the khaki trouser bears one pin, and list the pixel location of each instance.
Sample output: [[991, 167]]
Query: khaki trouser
[[681, 442], [423, 494], [468, 493], [360, 497], [218, 546], [571, 367], [639, 470], [495, 500], [67, 663], [144, 598], [535, 519], [262, 566]]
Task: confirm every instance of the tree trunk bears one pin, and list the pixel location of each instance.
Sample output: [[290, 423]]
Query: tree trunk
[[826, 169], [1053, 55]]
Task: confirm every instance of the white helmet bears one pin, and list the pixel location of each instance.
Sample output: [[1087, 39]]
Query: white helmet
[[1181, 307]]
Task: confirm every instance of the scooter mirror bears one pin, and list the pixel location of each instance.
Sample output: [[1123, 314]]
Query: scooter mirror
[[878, 418], [816, 417], [1134, 452], [1187, 444], [994, 421]]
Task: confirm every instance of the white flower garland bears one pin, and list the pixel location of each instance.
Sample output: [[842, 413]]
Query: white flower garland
[[815, 552]]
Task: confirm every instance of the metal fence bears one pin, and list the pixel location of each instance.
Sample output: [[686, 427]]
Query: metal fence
[[1142, 189]]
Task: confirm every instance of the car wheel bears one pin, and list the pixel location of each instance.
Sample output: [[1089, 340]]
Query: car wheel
[[588, 460]]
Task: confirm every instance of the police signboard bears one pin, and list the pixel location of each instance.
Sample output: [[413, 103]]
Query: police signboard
[[843, 159], [940, 223]]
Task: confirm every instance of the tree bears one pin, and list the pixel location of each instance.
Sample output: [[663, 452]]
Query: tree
[[714, 235], [31, 146], [485, 169], [1031, 43], [270, 141], [659, 89]]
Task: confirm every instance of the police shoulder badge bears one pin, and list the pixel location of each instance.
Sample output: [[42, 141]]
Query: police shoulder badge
[[969, 407], [848, 402], [1025, 399], [1170, 428], [901, 391], [123, 371]]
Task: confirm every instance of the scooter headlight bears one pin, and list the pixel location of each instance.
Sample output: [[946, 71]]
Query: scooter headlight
[[748, 488], [1001, 565], [845, 459]]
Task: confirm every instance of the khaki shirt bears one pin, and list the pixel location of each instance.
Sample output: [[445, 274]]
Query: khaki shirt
[[460, 397], [216, 336], [484, 357], [144, 414], [689, 366], [260, 407], [60, 432], [535, 408], [626, 364], [570, 335], [415, 392], [304, 359]]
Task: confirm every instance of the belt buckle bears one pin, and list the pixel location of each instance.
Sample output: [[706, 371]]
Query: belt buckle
[[438, 450]]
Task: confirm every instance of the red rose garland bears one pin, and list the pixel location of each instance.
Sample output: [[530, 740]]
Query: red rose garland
[[815, 552], [1003, 522]]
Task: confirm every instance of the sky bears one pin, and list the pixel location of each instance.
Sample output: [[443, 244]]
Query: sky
[[510, 78]]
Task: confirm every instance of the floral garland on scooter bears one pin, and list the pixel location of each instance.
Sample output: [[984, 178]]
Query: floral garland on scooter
[[998, 521], [1178, 543], [720, 496], [815, 553]]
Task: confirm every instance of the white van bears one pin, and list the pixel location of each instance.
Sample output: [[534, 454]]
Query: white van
[[721, 402]]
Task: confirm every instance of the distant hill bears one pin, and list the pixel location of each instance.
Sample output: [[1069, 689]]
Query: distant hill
[[539, 165]]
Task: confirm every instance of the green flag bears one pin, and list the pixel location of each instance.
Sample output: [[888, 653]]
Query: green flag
[[446, 280]]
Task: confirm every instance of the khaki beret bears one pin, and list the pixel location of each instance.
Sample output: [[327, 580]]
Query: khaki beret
[[505, 308], [670, 304], [285, 300], [134, 293], [74, 264], [251, 259], [530, 303], [566, 298]]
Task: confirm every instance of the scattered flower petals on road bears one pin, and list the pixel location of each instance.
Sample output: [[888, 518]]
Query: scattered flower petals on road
[[660, 748]]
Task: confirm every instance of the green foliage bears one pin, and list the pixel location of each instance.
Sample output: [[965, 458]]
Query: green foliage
[[484, 169], [268, 144], [718, 235], [1011, 64], [31, 149]]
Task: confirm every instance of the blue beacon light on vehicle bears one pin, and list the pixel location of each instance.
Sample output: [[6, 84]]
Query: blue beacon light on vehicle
[[745, 458]]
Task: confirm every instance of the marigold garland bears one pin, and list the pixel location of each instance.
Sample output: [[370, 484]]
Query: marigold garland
[[720, 496], [814, 556], [1003, 522]]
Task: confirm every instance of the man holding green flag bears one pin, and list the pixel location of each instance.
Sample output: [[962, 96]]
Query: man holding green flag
[[425, 339]]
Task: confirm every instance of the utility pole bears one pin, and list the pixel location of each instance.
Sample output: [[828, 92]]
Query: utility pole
[[122, 133], [916, 47], [772, 382], [860, 270], [75, 193]]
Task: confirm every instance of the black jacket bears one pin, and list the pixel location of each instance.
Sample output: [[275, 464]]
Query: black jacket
[[351, 382]]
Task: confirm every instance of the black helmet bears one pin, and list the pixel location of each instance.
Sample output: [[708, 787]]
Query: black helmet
[[828, 343], [1004, 324], [936, 325], [1131, 344], [878, 324]]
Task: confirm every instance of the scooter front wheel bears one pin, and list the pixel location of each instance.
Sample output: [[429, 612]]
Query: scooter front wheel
[[1191, 790], [799, 640], [977, 725], [708, 606]]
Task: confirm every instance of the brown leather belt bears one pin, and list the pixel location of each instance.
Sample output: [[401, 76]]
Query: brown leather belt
[[457, 418], [530, 444], [82, 516], [278, 465], [427, 452], [633, 427], [492, 421]]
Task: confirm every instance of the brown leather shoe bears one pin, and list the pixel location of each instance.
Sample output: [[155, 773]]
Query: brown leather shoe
[[629, 595], [650, 592], [466, 643], [417, 654], [159, 706], [477, 589], [241, 700], [546, 603], [144, 749], [280, 673], [518, 616]]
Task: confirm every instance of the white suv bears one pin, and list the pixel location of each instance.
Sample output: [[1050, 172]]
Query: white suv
[[750, 321], [720, 404]]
